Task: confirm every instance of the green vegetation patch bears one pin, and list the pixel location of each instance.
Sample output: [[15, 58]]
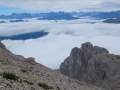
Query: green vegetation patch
[[45, 86], [10, 76]]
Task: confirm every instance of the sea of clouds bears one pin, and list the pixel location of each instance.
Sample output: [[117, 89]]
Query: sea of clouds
[[52, 49]]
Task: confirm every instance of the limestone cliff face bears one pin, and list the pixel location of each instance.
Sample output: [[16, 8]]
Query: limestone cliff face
[[19, 73], [93, 65]]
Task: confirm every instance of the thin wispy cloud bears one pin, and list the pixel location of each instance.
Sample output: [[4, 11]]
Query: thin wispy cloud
[[53, 48], [63, 5]]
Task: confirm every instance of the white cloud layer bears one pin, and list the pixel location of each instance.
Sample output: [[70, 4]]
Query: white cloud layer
[[53, 48], [64, 5]]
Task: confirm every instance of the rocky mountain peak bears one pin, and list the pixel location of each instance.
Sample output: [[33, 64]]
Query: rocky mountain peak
[[94, 65], [87, 51]]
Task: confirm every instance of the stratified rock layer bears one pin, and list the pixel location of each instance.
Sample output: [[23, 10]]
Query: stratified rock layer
[[93, 65]]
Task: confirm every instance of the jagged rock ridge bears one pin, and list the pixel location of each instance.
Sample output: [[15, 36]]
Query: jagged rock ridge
[[93, 65], [19, 73]]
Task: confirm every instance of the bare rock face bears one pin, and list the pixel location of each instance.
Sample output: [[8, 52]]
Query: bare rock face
[[93, 65], [104, 70], [75, 65]]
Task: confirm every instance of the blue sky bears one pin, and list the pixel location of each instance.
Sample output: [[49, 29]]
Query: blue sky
[[9, 10], [35, 6]]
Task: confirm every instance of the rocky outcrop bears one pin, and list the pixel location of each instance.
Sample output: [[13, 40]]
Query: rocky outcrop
[[19, 73], [93, 65], [31, 60]]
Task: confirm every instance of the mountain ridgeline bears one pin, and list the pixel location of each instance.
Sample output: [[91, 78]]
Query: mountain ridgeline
[[93, 65], [40, 16], [63, 15]]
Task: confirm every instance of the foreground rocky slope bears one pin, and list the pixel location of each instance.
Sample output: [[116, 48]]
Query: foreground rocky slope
[[93, 65], [19, 73]]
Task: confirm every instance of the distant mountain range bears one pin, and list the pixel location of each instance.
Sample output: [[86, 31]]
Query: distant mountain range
[[97, 15], [58, 16], [19, 16], [40, 16], [25, 36], [63, 15], [116, 21]]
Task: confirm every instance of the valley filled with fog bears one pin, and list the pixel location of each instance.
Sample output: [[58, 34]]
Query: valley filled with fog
[[62, 35]]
